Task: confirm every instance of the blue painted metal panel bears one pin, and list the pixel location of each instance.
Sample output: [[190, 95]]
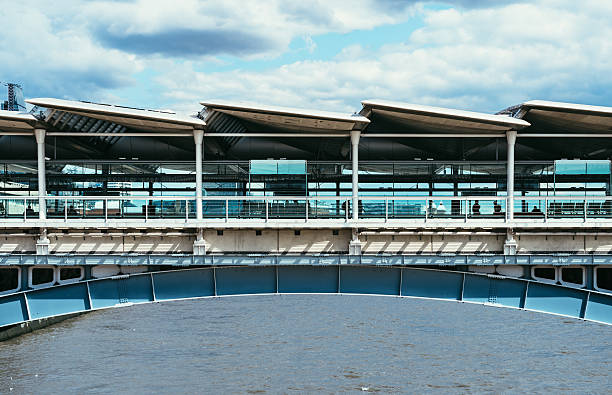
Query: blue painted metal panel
[[58, 300], [10, 260], [12, 309], [431, 284], [297, 260], [246, 280], [171, 260], [554, 299], [602, 259], [476, 289], [184, 284], [104, 293], [370, 280], [484, 289], [110, 292], [243, 260], [137, 289], [307, 279], [599, 308], [486, 260]]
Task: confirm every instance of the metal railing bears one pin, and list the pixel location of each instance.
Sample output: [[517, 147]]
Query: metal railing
[[387, 208]]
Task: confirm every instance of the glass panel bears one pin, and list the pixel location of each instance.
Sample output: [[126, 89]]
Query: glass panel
[[407, 208], [570, 167], [287, 209], [215, 209]]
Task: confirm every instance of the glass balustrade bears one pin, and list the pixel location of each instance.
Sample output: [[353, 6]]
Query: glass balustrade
[[328, 207]]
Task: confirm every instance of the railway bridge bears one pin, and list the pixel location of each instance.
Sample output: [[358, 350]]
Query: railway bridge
[[104, 206]]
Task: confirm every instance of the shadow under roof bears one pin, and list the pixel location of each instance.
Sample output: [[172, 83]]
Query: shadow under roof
[[390, 116], [285, 118], [557, 117], [133, 118]]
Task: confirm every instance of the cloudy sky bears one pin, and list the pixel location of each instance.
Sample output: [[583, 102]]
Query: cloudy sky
[[482, 55]]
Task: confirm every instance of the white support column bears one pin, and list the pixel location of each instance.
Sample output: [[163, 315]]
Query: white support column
[[198, 136], [355, 134], [511, 137], [355, 244], [42, 180], [510, 245], [42, 244], [199, 245]]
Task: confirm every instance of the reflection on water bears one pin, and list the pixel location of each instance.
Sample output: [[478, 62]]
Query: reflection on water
[[307, 344]]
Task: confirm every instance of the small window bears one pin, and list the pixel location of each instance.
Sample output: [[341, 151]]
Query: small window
[[603, 278], [219, 233], [572, 276], [258, 233], [41, 276], [335, 232], [10, 279], [70, 274], [547, 274], [297, 232]]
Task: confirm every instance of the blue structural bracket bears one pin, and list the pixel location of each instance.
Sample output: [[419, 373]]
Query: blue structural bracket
[[263, 260], [292, 275]]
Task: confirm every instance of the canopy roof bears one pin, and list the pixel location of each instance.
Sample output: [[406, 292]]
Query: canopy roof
[[136, 119], [285, 119], [390, 117], [556, 117], [12, 121]]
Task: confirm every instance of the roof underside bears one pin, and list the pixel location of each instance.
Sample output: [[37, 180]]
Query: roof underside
[[137, 120], [394, 117], [284, 119], [556, 117]]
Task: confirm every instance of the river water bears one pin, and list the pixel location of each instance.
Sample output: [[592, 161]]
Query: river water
[[310, 344]]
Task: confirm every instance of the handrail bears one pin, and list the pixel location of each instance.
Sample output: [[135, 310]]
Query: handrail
[[340, 198], [388, 208]]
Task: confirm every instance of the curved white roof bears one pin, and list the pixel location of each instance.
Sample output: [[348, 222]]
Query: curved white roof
[[433, 115], [278, 110], [285, 118], [553, 105], [135, 118], [13, 121]]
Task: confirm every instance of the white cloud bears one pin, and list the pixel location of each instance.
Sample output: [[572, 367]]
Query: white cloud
[[51, 55], [481, 59]]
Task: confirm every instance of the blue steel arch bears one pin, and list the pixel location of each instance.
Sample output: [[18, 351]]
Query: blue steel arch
[[221, 281]]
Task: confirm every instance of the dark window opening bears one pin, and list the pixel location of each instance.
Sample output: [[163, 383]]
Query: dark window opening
[[258, 233], [219, 233], [335, 232], [547, 273], [42, 275], [297, 232], [9, 279], [572, 275], [70, 273], [604, 278]]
